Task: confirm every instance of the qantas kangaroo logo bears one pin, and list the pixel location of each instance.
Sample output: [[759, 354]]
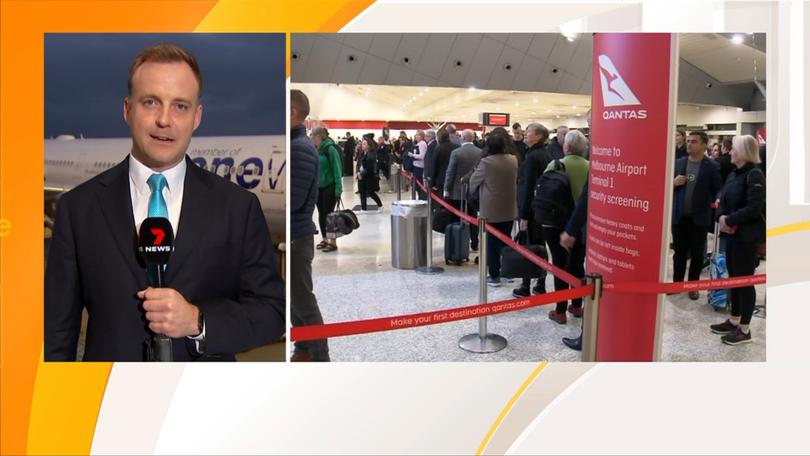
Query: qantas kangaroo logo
[[615, 92]]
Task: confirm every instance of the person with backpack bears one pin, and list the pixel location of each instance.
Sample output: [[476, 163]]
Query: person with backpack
[[559, 187], [537, 159], [742, 219], [330, 185]]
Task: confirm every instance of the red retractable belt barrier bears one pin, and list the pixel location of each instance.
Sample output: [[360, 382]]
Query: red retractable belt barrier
[[554, 270], [529, 255], [303, 333], [472, 220]]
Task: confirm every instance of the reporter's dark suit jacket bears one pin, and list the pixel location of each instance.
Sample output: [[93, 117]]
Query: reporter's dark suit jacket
[[223, 262]]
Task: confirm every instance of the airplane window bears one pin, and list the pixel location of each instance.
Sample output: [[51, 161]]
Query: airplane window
[[240, 171]]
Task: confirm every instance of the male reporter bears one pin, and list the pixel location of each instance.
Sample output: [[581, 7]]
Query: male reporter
[[222, 294]]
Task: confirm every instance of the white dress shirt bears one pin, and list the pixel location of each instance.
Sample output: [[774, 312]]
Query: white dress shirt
[[139, 191]]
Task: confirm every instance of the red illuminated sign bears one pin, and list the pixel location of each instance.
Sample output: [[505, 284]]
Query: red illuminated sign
[[492, 119]]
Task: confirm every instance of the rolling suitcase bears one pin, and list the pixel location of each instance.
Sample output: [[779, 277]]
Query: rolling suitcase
[[718, 299], [457, 238]]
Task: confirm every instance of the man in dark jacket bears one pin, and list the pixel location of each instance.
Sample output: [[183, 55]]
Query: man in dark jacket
[[304, 309], [348, 154], [726, 167], [680, 143], [576, 229], [442, 160], [555, 146], [697, 183], [430, 155], [537, 159], [521, 148]]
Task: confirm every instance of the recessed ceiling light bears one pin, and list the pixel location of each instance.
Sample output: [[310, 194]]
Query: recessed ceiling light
[[535, 100], [737, 39], [549, 110], [573, 107], [472, 88]]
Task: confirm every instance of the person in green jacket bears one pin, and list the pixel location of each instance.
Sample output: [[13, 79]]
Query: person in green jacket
[[330, 185], [576, 167]]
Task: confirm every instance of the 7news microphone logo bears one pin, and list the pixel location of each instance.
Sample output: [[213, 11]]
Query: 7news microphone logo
[[616, 92], [156, 245], [159, 235]]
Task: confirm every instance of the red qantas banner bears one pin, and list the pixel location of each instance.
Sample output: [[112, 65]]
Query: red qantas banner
[[630, 155]]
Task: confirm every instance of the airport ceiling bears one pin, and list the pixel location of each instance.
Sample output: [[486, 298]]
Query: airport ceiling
[[420, 74], [467, 105]]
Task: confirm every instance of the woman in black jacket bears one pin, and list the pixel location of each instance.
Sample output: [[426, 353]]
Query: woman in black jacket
[[368, 182], [742, 220]]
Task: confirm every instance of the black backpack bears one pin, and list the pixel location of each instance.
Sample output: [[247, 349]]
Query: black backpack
[[553, 201]]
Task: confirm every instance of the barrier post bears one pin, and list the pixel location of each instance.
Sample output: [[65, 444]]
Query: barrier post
[[590, 319], [483, 342], [429, 268], [399, 183], [413, 185]]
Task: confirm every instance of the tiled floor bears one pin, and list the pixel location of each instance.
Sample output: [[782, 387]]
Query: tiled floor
[[357, 282]]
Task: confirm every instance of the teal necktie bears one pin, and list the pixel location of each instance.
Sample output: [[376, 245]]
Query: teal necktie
[[157, 205], [157, 208]]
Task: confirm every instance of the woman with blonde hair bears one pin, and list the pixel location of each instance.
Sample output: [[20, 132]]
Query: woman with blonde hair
[[330, 184], [742, 221]]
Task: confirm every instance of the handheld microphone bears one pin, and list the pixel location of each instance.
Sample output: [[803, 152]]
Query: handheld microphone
[[155, 244]]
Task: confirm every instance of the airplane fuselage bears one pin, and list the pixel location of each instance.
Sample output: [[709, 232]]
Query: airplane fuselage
[[256, 163]]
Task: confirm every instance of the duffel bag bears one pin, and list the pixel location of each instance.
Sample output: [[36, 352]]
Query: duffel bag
[[514, 265]]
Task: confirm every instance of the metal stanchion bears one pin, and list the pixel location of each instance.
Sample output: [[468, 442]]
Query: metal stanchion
[[413, 185], [429, 268], [483, 342], [590, 319], [399, 183]]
